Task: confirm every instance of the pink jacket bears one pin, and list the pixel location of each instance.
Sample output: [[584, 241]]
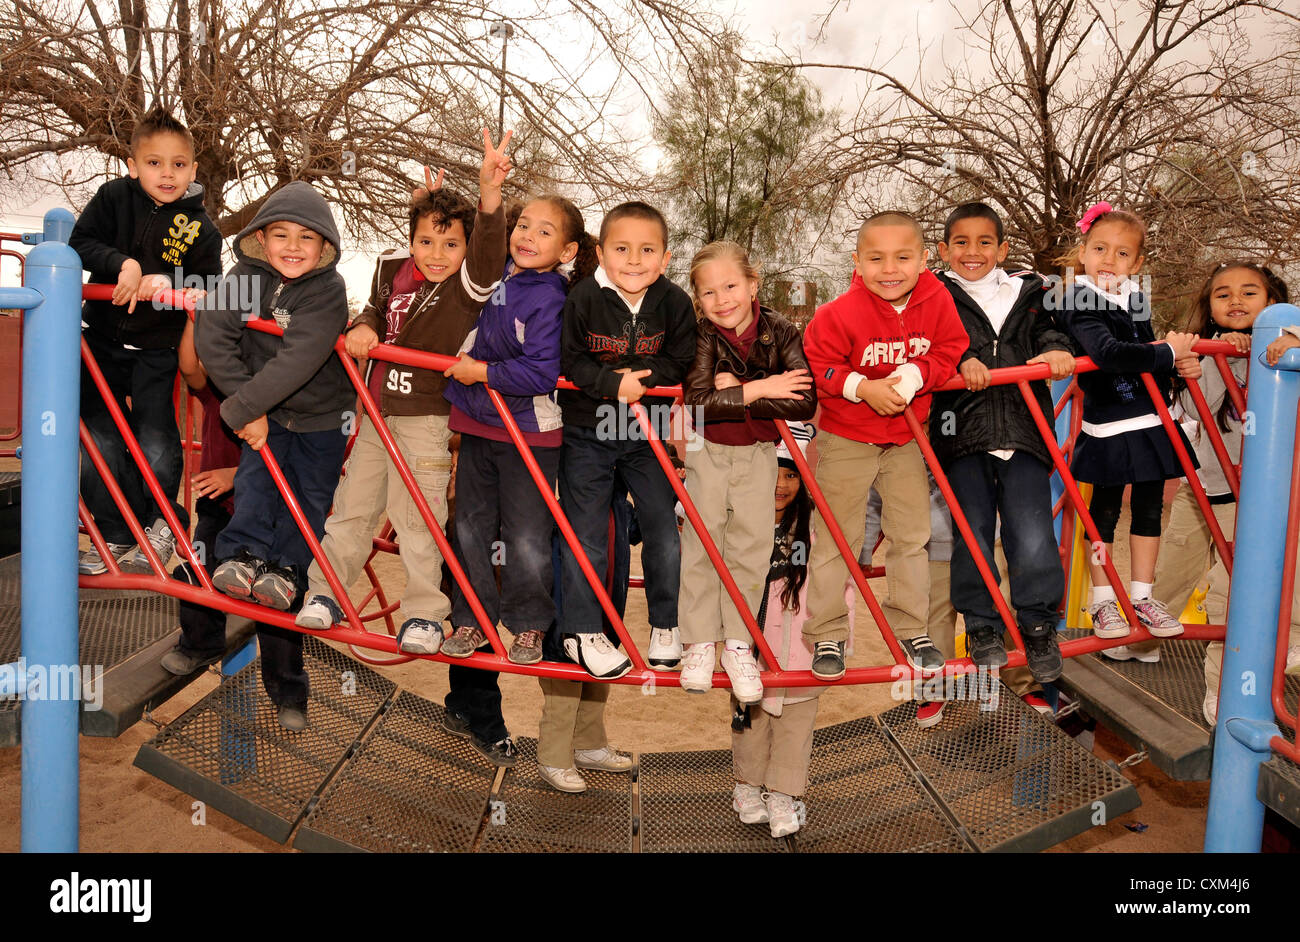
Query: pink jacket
[[783, 631]]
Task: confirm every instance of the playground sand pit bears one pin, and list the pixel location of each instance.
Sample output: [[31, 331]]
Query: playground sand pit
[[125, 809]]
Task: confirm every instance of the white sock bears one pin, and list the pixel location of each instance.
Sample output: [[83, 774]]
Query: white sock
[[1101, 593], [1138, 591]]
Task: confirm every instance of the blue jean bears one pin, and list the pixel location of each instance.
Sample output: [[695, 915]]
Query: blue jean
[[1019, 491], [587, 484], [148, 377]]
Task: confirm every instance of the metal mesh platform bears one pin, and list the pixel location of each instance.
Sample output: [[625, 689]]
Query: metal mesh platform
[[229, 750], [529, 815], [1012, 780], [411, 788], [115, 627], [1279, 787], [686, 806], [863, 799]]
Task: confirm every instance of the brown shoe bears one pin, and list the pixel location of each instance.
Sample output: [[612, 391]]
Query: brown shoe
[[527, 648], [464, 642]]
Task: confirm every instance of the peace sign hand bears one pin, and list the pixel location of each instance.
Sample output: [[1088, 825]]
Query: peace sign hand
[[430, 184], [496, 165]]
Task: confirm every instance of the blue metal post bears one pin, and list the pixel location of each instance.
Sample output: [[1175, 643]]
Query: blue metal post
[[58, 225], [51, 418], [1236, 816]]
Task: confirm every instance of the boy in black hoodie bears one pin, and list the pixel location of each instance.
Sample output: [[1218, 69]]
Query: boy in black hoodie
[[989, 445], [290, 392], [143, 233]]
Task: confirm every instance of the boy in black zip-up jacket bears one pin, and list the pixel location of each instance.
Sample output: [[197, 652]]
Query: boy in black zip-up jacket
[[142, 233], [989, 446], [626, 328]]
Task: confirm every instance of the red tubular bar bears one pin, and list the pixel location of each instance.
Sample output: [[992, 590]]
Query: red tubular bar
[[1193, 479], [963, 526], [355, 634], [1210, 425], [128, 515], [97, 538], [710, 548], [1284, 608], [1229, 381]]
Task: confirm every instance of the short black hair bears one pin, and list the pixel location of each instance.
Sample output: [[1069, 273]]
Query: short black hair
[[973, 211], [634, 209], [158, 120], [445, 207], [891, 217]]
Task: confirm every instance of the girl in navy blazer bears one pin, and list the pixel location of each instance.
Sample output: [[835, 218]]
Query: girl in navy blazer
[[1122, 442]]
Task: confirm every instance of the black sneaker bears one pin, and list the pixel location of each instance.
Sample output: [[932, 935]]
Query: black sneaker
[[456, 725], [984, 645], [182, 664], [922, 654], [501, 753], [235, 577], [828, 660], [1042, 653]]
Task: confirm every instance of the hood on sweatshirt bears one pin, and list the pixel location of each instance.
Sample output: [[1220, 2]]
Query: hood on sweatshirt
[[299, 203]]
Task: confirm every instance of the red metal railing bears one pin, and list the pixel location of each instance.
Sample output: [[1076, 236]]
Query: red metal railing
[[353, 631]]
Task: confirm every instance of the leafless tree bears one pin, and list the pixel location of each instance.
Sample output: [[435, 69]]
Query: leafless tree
[[1183, 110], [350, 95]]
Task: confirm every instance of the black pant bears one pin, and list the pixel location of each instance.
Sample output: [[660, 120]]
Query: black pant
[[503, 521], [262, 525], [1019, 491], [475, 693], [589, 464], [203, 629], [149, 378]]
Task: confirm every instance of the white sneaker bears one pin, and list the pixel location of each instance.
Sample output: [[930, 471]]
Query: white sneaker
[[565, 780], [163, 541], [594, 653], [782, 817], [319, 613], [606, 758], [1210, 707], [697, 667], [89, 562], [743, 673], [665, 649], [747, 801], [420, 636], [1125, 653], [1293, 660]]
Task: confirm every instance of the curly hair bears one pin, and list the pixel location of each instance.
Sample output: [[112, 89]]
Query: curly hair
[[445, 207]]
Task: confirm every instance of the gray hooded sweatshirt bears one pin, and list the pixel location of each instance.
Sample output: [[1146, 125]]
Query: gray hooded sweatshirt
[[296, 379]]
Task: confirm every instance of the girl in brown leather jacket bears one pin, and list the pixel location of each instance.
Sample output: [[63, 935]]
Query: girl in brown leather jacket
[[749, 370]]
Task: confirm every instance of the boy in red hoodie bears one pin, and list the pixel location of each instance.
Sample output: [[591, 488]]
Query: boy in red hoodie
[[885, 343]]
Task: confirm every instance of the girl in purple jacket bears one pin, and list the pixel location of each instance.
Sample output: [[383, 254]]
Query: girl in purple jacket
[[501, 518]]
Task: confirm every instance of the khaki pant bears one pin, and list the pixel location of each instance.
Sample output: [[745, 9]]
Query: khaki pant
[[730, 486], [573, 717], [846, 471], [775, 751], [943, 622], [371, 486]]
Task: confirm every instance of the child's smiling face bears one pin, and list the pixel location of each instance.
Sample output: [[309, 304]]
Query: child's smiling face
[[1237, 295], [164, 165], [972, 249], [537, 241], [292, 250], [1111, 253], [633, 254], [725, 295], [438, 252], [890, 259]]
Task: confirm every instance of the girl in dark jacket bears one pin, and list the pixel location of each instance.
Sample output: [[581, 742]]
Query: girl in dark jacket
[[1122, 442], [749, 370], [514, 349]]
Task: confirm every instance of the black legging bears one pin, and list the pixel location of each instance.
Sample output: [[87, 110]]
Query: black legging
[[1146, 503]]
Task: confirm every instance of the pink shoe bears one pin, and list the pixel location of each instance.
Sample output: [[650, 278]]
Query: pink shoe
[[1157, 619], [1108, 621]]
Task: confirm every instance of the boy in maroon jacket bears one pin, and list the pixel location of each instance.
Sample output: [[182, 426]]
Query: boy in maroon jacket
[[885, 343]]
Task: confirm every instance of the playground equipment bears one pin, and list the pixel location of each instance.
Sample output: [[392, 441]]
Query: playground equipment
[[50, 544]]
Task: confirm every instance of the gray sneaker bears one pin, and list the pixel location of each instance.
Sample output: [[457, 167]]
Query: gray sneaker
[[464, 642], [181, 664], [922, 654], [89, 562], [162, 540], [828, 660]]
